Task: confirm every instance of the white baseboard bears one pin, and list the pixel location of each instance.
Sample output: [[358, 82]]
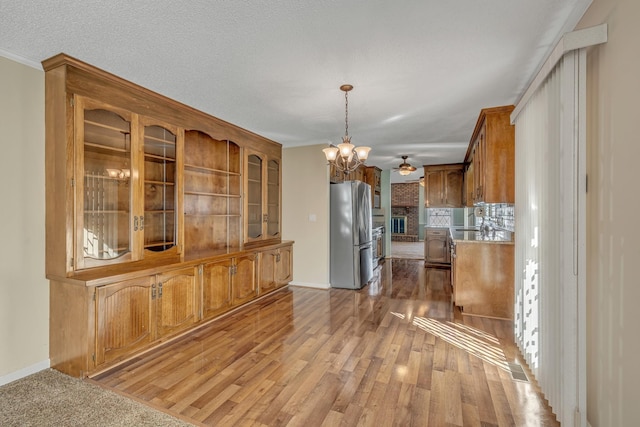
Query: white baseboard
[[311, 285], [25, 372]]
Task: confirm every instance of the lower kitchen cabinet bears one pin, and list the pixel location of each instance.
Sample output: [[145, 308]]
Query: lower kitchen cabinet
[[483, 279], [275, 268], [436, 246]]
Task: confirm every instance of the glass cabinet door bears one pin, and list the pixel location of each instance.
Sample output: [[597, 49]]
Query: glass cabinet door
[[273, 198], [160, 193], [254, 196], [105, 161]]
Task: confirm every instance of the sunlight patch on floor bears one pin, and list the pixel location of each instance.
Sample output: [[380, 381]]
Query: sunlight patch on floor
[[475, 342]]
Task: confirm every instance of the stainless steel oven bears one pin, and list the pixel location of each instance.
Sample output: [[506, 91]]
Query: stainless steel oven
[[378, 244]]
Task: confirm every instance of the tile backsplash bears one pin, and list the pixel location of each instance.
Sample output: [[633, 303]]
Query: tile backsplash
[[500, 215]]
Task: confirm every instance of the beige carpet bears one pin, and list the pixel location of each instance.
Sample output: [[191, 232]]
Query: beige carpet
[[407, 250], [49, 398]]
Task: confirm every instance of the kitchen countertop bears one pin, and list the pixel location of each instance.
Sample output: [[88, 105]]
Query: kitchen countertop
[[468, 235]]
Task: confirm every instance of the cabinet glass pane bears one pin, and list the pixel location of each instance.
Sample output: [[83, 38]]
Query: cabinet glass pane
[[159, 223], [254, 197], [107, 190], [273, 198]]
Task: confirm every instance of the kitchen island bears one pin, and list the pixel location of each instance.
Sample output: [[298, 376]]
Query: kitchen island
[[482, 272]]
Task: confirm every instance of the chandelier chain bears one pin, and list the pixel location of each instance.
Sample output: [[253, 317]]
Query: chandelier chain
[[346, 113]]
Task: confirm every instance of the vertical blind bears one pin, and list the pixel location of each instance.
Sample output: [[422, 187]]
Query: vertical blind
[[550, 236]]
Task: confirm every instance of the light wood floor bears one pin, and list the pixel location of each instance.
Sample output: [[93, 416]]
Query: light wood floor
[[391, 354], [407, 250]]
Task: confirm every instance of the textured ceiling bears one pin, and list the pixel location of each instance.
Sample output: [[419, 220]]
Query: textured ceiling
[[422, 69]]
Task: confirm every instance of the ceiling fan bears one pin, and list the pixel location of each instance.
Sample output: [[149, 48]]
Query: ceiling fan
[[405, 168]]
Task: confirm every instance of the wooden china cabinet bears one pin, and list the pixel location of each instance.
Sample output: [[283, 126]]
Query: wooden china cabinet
[[159, 217]]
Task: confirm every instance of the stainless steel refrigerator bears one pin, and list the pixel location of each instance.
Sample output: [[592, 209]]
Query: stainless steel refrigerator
[[351, 238]]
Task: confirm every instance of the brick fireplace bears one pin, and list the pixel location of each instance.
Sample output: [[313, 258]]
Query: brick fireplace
[[404, 212]]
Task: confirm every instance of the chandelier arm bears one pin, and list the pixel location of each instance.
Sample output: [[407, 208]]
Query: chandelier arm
[[345, 166]]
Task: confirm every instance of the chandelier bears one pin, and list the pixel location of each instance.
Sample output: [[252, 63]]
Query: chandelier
[[346, 156]]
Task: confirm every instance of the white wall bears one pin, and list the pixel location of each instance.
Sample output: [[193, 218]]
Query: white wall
[[305, 213], [24, 291], [613, 203]]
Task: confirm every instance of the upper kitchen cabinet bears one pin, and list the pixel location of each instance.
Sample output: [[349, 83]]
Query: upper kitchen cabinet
[[262, 197], [337, 176], [125, 181], [356, 175], [469, 186], [491, 153], [443, 186], [373, 177]]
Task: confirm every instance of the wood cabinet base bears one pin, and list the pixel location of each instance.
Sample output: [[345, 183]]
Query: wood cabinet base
[[97, 325], [484, 279]]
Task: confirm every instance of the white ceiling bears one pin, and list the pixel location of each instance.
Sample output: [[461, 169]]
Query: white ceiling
[[422, 69]]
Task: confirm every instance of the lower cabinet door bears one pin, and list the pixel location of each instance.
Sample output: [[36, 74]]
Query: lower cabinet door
[[216, 287], [267, 274], [275, 268], [284, 266], [125, 318], [177, 305], [436, 249], [243, 281]]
